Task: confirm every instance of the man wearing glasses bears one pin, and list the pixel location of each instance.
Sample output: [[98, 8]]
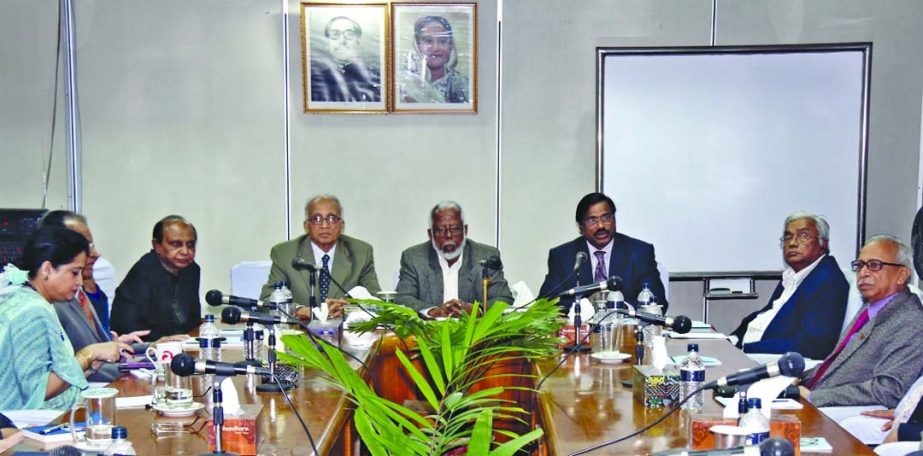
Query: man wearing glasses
[[340, 259], [341, 74], [880, 356], [442, 277], [609, 253], [805, 313]]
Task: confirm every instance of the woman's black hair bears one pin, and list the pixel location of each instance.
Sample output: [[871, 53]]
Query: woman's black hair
[[55, 244]]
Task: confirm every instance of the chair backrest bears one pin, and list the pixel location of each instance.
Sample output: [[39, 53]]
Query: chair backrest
[[248, 278]]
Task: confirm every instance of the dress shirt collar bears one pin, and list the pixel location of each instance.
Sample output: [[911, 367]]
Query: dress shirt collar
[[791, 279], [876, 307], [319, 254]]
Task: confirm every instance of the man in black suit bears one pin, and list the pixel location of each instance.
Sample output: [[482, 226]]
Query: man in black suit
[[609, 254]]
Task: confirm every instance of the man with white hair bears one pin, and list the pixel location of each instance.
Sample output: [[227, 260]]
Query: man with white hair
[[805, 313], [880, 356], [442, 277]]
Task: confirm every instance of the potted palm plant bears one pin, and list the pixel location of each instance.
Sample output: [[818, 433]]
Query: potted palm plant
[[449, 366]]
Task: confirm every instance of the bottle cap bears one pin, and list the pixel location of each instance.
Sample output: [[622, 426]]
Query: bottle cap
[[754, 402], [119, 432], [692, 347], [209, 318]]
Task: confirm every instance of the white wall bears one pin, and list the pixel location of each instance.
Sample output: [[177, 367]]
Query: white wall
[[181, 105]]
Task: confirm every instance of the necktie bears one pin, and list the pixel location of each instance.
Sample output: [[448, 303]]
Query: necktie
[[860, 322], [600, 275], [324, 278]]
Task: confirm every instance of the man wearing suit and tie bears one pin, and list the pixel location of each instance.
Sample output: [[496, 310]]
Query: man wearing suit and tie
[[805, 313], [610, 254], [442, 277], [880, 356], [348, 260]]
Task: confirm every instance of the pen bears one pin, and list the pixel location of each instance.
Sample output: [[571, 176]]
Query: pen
[[59, 427]]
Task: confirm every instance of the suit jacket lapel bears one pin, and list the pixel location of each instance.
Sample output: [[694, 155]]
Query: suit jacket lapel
[[342, 264], [468, 275], [619, 257], [307, 253], [434, 283], [586, 269]]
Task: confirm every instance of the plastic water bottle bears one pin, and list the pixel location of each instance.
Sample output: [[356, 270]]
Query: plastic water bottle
[[692, 377], [645, 296], [755, 423], [277, 298], [209, 340], [120, 444], [289, 299]]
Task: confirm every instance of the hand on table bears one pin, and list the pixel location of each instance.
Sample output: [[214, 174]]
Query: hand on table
[[130, 338], [451, 308]]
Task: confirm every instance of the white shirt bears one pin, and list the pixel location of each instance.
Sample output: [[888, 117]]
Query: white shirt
[[593, 261], [790, 282], [450, 277], [319, 256]]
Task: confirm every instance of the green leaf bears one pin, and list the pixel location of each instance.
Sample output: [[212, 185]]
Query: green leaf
[[481, 434], [418, 380], [432, 366], [448, 358], [510, 448]]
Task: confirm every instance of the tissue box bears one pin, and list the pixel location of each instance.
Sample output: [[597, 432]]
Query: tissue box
[[241, 432], [787, 427], [569, 331], [655, 388]]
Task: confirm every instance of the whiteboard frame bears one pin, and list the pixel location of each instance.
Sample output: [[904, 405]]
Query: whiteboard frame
[[864, 47]]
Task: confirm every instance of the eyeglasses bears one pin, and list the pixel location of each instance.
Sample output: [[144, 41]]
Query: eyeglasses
[[873, 265], [318, 219], [451, 231], [349, 34], [801, 238], [594, 220]]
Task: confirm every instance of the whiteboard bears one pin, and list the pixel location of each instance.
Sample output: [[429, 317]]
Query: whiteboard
[[706, 151]]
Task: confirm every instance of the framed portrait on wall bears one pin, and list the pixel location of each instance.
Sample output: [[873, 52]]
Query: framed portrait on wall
[[435, 57], [344, 57]]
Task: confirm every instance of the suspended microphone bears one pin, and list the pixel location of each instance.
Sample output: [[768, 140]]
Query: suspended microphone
[[185, 365], [301, 263], [233, 315], [614, 283], [680, 323], [790, 364], [217, 298], [578, 260], [492, 263]]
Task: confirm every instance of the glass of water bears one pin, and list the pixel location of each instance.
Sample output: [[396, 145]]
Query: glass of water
[[100, 416], [178, 390]]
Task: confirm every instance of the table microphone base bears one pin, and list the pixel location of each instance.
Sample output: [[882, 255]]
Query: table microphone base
[[577, 348], [272, 387]]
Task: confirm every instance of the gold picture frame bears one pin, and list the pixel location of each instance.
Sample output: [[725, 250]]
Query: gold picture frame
[[345, 57], [434, 57]]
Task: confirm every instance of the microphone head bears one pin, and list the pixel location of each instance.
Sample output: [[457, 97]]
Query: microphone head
[[183, 365], [230, 315], [791, 364], [682, 324], [214, 297], [776, 446], [615, 283], [492, 262], [301, 263], [579, 259]]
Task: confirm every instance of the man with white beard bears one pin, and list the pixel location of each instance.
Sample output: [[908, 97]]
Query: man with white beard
[[442, 277]]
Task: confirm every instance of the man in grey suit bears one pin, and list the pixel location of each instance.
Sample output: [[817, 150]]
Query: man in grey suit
[[347, 260], [880, 356], [442, 277]]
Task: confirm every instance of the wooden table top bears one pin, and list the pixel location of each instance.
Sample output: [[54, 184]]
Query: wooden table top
[[324, 409], [584, 403]]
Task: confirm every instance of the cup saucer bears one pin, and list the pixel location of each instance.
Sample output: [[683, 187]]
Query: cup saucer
[[179, 410]]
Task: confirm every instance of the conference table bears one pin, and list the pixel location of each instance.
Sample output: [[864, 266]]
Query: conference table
[[581, 404]]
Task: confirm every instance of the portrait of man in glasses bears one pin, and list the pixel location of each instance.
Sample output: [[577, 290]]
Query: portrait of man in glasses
[[608, 253], [345, 62], [348, 261], [805, 312]]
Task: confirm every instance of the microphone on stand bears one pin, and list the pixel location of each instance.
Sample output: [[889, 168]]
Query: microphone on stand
[[614, 283], [579, 259], [217, 298], [680, 323], [185, 365], [492, 263], [790, 364], [233, 315]]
